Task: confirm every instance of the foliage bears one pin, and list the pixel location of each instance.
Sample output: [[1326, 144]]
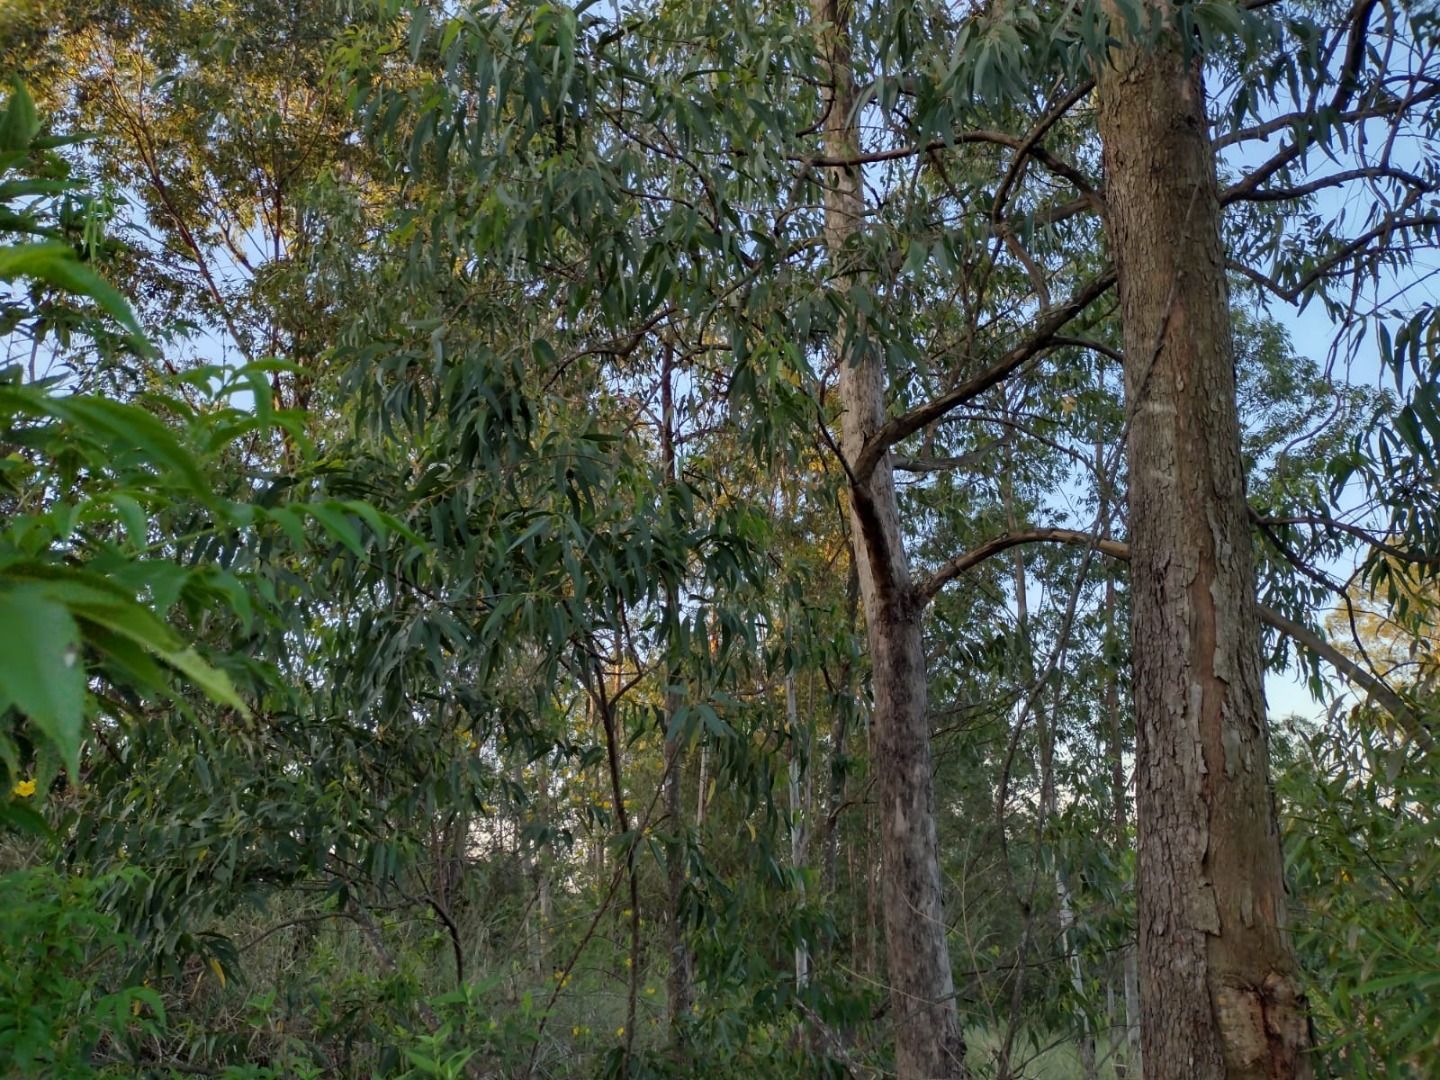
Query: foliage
[[68, 590], [58, 994], [466, 464], [1363, 858]]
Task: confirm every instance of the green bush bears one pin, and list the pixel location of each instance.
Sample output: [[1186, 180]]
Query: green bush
[[62, 991]]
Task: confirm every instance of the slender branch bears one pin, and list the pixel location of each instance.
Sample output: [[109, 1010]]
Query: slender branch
[[1093, 346], [1028, 145], [1280, 123], [1363, 535], [1292, 294], [1249, 190], [926, 590], [943, 464], [1413, 725], [1373, 685], [993, 138], [903, 426]]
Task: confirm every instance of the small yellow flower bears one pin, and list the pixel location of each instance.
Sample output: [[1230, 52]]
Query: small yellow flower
[[23, 789], [650, 991], [620, 1031]]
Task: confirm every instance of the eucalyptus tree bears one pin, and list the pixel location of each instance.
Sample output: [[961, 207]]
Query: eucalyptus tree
[[652, 210], [1221, 992], [674, 318], [225, 155]]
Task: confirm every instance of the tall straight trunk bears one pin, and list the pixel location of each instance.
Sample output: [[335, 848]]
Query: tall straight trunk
[[839, 734], [1129, 957], [679, 995], [542, 872], [798, 812], [1065, 907], [928, 1040], [1219, 988]]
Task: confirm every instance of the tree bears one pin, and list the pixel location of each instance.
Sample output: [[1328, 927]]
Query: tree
[[657, 387], [1220, 990], [928, 1040]]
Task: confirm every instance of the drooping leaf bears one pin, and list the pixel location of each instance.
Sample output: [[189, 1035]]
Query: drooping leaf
[[42, 672]]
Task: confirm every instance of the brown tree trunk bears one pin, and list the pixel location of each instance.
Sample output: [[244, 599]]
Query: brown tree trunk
[[928, 1040], [1219, 984]]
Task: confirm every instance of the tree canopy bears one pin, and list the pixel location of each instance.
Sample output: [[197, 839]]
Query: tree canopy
[[664, 539]]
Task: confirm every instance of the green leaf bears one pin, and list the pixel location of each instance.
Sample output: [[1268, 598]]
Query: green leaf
[[57, 264], [332, 518], [23, 818], [215, 683], [93, 599], [41, 672], [132, 516], [135, 429], [19, 125]]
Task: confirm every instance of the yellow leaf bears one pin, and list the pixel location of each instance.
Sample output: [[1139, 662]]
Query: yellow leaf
[[218, 970]]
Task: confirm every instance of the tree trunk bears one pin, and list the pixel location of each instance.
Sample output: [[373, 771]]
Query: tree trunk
[[1132, 1058], [928, 1040], [798, 824], [1069, 940], [1218, 979], [839, 735], [679, 995], [542, 872]]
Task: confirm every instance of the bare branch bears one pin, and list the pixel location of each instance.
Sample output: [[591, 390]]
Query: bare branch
[[994, 138], [944, 464], [1248, 190]]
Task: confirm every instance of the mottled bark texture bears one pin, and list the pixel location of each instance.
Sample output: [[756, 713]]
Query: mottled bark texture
[[1219, 989], [928, 1039]]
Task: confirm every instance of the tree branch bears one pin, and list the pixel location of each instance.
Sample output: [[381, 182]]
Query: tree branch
[[1413, 725], [903, 426], [993, 138], [926, 590], [1248, 190]]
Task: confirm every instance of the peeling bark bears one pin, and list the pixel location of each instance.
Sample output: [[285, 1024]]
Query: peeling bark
[[1218, 977], [928, 1039]]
